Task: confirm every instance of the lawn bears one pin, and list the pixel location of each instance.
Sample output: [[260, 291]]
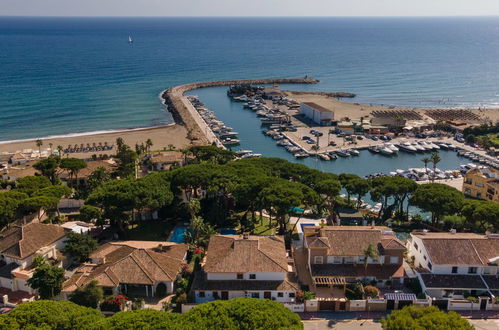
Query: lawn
[[262, 226], [494, 138], [150, 231]]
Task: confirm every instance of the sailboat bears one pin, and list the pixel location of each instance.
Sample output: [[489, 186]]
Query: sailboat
[[130, 41]]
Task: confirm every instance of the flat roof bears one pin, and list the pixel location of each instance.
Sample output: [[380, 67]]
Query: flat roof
[[317, 107]]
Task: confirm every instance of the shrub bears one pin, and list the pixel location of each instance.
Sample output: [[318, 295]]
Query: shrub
[[113, 304], [371, 291], [430, 318]]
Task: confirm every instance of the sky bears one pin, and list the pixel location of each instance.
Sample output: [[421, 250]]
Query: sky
[[249, 7]]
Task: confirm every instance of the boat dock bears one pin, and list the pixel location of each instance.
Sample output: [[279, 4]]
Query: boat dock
[[185, 114]]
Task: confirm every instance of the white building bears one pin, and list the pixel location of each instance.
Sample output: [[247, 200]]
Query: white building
[[246, 266], [452, 264], [318, 114]]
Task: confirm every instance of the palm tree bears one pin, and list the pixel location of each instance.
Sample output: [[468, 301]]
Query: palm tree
[[435, 159], [426, 161], [148, 145], [370, 252], [60, 148], [39, 144], [50, 146]]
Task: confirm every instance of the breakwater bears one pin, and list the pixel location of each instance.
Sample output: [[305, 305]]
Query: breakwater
[[185, 114]]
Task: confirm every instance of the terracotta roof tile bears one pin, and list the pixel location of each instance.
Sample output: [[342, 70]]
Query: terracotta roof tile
[[22, 241], [234, 254], [122, 263]]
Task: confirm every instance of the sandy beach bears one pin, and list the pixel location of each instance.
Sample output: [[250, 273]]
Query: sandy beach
[[162, 137]]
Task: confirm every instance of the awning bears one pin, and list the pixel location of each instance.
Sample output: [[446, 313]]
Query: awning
[[329, 280], [400, 296]]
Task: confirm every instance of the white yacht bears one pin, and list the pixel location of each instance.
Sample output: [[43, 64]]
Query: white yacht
[[406, 146]]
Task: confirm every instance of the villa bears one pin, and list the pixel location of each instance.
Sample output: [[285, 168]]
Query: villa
[[452, 264], [335, 256], [19, 245], [246, 266], [137, 268]]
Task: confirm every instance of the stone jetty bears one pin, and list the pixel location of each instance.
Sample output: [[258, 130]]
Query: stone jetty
[[185, 114]]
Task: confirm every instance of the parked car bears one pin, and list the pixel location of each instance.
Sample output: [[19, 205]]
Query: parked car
[[306, 137]]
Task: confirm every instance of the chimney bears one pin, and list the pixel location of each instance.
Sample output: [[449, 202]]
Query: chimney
[[372, 224], [425, 231], [246, 235], [453, 231]]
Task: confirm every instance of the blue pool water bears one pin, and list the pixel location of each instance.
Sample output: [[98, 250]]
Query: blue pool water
[[228, 232], [178, 235]]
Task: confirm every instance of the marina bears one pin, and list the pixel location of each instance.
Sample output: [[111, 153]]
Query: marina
[[370, 160]]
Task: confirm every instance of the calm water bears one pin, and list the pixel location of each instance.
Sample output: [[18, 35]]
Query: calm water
[[246, 123], [60, 76]]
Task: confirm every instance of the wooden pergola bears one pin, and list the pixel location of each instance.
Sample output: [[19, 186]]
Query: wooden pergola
[[329, 280]]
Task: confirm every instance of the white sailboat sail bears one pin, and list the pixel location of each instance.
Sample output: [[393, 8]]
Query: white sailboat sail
[[130, 40]]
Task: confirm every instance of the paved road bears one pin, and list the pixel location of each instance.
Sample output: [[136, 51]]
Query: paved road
[[376, 325]]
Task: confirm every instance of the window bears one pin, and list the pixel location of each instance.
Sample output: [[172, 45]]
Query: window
[[280, 294], [454, 270], [318, 260], [239, 276], [394, 260], [429, 266], [291, 295], [479, 184], [487, 271], [472, 270], [201, 294], [338, 260], [252, 276], [424, 257], [416, 246], [255, 295], [478, 194], [348, 260], [361, 259]]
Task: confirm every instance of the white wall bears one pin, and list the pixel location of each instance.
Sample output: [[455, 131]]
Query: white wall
[[356, 260], [209, 295], [275, 276]]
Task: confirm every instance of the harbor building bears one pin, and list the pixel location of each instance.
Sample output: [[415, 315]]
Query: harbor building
[[318, 114], [482, 184]]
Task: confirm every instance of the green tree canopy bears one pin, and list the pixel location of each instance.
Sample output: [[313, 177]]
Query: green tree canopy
[[39, 204], [47, 280], [47, 314], [481, 215], [437, 198], [89, 213], [212, 154], [57, 191], [89, 295], [79, 246], [73, 166], [48, 167], [424, 318], [31, 184]]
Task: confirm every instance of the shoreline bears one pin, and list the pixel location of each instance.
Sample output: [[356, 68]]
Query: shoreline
[[89, 133], [190, 129]]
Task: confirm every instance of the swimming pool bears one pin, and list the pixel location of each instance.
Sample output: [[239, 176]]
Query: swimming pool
[[228, 232], [178, 235], [302, 225]]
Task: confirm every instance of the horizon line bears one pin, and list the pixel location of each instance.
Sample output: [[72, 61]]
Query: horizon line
[[230, 16]]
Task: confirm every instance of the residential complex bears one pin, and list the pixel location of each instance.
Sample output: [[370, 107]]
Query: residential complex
[[482, 183], [336, 256]]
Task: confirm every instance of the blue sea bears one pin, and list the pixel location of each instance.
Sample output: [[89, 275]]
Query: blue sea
[[69, 75]]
